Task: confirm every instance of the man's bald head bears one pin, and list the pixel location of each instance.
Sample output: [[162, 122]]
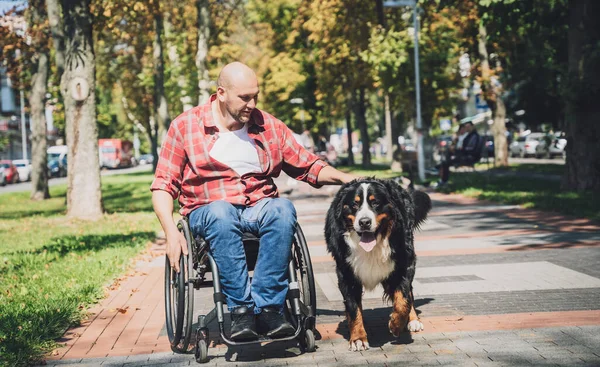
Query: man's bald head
[[236, 74]]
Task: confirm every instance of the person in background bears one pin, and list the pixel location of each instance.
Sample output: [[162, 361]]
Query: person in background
[[467, 151]]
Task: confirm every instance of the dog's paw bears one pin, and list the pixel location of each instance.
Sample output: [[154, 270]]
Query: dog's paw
[[415, 326], [396, 324], [358, 345]]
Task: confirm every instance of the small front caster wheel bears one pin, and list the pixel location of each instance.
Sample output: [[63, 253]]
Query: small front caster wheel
[[309, 339], [201, 351]]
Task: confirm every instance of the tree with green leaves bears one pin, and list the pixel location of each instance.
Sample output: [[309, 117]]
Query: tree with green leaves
[[339, 33]]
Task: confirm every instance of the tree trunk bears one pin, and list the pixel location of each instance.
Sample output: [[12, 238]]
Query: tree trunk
[[389, 155], [39, 156], [153, 137], [349, 128], [37, 99], [58, 35], [499, 132], [160, 100], [582, 112], [176, 67], [84, 196], [203, 36], [492, 91], [359, 112]]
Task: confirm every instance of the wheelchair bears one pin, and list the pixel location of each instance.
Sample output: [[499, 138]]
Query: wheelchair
[[300, 307]]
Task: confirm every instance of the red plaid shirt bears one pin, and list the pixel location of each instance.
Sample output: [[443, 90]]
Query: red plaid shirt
[[187, 171]]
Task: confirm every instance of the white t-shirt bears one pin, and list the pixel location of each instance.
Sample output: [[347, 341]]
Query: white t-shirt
[[237, 150]]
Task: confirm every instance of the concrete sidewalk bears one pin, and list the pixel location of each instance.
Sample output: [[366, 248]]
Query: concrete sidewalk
[[495, 285]]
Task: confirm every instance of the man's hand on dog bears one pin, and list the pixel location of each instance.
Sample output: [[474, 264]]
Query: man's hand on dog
[[176, 244]]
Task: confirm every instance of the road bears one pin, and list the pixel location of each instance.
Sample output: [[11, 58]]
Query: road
[[26, 186]]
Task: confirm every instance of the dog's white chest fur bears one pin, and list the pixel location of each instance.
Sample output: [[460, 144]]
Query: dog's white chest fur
[[372, 267]]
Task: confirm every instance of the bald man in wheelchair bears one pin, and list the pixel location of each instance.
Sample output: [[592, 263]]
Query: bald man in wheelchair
[[219, 160]]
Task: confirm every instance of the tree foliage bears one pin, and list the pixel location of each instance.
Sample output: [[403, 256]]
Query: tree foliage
[[342, 57]]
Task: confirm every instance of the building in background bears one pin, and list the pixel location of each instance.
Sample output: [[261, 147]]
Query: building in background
[[10, 121]]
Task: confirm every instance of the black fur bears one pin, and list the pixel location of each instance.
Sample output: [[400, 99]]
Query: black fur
[[404, 212]]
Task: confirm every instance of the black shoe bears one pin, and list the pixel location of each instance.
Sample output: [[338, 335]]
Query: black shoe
[[273, 323], [243, 324]]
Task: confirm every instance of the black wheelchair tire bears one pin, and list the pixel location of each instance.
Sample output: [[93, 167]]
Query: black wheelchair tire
[[188, 314], [179, 298], [307, 278], [174, 302]]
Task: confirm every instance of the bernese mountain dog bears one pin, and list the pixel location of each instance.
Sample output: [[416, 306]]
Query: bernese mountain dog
[[370, 233]]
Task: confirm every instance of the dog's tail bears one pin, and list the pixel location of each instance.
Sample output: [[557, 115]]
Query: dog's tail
[[422, 206]]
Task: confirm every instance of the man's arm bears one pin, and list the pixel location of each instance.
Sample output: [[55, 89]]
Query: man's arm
[[331, 176], [162, 202]]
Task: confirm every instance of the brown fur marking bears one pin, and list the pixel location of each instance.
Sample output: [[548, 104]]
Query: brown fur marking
[[381, 217], [413, 314], [356, 327], [385, 231], [400, 314]]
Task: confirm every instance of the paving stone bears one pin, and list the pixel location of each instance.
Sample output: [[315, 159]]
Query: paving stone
[[65, 362], [114, 361], [137, 358]]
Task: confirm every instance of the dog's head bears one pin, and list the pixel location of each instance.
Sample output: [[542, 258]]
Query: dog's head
[[373, 208]]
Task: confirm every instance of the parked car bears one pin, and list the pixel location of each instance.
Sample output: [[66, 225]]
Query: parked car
[[115, 153], [524, 146], [146, 159], [11, 175], [551, 146], [440, 147], [24, 168], [2, 177]]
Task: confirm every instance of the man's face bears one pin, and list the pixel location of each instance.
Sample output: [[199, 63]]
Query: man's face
[[240, 100]]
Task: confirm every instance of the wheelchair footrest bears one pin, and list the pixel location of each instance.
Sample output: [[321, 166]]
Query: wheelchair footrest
[[261, 338]]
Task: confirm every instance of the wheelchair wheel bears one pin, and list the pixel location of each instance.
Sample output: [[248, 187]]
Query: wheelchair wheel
[[309, 341], [173, 302], [201, 352], [306, 279], [179, 297]]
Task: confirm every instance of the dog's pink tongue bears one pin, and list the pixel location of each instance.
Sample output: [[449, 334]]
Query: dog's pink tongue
[[367, 241]]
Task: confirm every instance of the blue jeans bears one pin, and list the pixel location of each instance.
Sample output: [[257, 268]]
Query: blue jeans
[[222, 225]]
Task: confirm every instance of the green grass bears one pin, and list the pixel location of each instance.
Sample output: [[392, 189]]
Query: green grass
[[530, 193], [375, 170], [553, 169], [52, 268]]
